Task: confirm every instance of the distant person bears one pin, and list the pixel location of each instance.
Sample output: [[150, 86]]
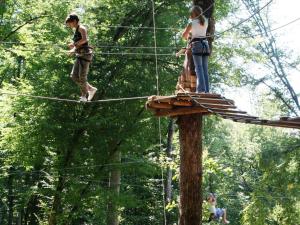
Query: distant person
[[83, 53], [200, 47], [216, 213]]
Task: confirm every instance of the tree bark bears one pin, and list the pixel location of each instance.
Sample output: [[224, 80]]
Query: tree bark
[[10, 197], [168, 182], [190, 134], [114, 187]]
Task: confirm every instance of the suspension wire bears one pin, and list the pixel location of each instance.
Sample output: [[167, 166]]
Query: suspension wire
[[271, 30], [142, 47], [95, 46], [159, 121], [242, 21], [144, 27], [157, 28], [68, 175], [70, 100], [88, 166]]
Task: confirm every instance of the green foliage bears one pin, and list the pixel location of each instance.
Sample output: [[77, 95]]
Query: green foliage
[[63, 150]]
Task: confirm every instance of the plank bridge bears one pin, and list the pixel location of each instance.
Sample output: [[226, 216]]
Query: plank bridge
[[211, 104]]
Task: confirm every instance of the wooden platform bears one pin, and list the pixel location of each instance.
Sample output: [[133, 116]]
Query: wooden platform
[[210, 104]]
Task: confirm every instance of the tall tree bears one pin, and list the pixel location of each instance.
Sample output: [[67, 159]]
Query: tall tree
[[278, 62]]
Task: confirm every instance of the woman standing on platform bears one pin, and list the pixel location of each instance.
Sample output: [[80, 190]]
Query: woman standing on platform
[[199, 46]]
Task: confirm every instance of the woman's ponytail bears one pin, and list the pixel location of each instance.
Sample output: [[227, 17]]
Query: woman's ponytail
[[198, 13]]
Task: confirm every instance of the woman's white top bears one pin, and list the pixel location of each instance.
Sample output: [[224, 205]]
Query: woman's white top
[[198, 30]]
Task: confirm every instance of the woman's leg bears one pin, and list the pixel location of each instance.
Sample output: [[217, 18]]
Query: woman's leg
[[205, 71], [83, 71], [199, 73], [90, 87], [75, 71]]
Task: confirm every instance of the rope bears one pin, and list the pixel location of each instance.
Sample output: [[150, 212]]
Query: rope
[[242, 21], [271, 30], [144, 27], [156, 28], [70, 100], [159, 121], [96, 46], [86, 167], [205, 107], [98, 53]]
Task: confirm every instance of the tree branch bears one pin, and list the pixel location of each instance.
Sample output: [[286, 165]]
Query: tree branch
[[24, 24]]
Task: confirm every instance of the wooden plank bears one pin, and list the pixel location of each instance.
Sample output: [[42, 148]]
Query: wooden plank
[[218, 106], [267, 123], [203, 95], [212, 100], [272, 124], [182, 103], [159, 105], [288, 123], [181, 111], [149, 108], [237, 116], [228, 111], [295, 119], [161, 98], [207, 100]]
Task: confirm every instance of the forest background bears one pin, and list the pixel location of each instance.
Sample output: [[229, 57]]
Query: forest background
[[101, 163]]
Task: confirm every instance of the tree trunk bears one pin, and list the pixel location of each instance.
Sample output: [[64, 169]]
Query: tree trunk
[[168, 182], [114, 187], [10, 197], [190, 134], [67, 159], [32, 209], [19, 219]]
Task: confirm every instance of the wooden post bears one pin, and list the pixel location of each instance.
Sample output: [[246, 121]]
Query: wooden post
[[190, 134]]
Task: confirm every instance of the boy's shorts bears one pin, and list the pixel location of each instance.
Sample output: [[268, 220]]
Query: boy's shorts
[[219, 213]]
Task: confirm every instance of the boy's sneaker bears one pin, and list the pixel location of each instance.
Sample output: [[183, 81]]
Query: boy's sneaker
[[92, 94], [83, 99]]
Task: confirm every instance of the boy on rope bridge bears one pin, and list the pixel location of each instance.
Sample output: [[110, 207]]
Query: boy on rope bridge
[[216, 213], [83, 53]]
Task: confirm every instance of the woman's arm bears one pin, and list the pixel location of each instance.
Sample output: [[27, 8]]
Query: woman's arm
[[84, 39], [186, 32]]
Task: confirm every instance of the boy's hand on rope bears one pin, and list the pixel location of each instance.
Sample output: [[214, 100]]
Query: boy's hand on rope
[[72, 51], [71, 46], [181, 52]]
